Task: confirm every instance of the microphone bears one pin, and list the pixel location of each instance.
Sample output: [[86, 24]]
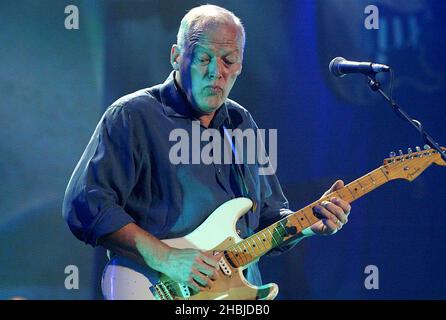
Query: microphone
[[340, 67]]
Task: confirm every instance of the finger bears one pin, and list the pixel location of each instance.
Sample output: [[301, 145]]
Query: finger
[[211, 259], [205, 269], [336, 210], [340, 225], [336, 186], [322, 213], [339, 184], [214, 273], [193, 285], [200, 279], [343, 204], [330, 226]]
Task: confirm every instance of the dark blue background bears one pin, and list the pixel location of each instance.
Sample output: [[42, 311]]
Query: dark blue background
[[55, 83]]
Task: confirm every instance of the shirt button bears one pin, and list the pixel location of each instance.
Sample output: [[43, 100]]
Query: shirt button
[[219, 170], [238, 231]]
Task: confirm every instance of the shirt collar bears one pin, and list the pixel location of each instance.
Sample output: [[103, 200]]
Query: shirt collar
[[176, 104]]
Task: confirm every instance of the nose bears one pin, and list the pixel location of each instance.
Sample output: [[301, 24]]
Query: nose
[[214, 69]]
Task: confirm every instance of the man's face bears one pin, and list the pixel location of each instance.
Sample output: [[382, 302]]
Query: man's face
[[210, 66]]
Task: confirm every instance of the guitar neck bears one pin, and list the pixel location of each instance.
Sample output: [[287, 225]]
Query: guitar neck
[[258, 244]]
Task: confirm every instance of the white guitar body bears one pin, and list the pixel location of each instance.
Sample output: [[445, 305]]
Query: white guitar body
[[124, 279]]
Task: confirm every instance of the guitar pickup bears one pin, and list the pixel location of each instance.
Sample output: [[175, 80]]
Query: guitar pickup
[[224, 267]]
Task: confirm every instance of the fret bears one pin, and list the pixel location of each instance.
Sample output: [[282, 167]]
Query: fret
[[265, 241], [272, 236], [366, 187], [261, 244], [371, 178], [350, 191], [385, 175], [379, 176], [253, 246], [237, 259], [277, 233], [246, 250], [260, 240], [296, 217], [359, 182], [284, 222], [355, 189], [303, 220], [232, 259], [232, 249], [343, 194], [257, 245], [309, 215], [294, 221], [239, 253], [284, 229]]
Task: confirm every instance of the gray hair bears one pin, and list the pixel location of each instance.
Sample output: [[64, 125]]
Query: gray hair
[[198, 17]]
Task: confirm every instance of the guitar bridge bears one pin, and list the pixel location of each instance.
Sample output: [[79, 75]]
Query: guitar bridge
[[169, 290], [162, 291]]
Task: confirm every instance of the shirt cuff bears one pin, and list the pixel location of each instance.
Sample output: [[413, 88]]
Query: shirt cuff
[[113, 219]]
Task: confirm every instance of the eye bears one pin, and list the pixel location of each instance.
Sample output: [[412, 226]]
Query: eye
[[204, 59], [229, 60]]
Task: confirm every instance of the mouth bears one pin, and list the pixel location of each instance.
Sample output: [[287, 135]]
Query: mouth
[[213, 90]]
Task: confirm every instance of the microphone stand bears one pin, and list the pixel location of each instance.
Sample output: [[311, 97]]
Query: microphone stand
[[376, 86]]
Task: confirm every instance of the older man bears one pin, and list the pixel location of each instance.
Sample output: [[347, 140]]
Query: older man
[[126, 194]]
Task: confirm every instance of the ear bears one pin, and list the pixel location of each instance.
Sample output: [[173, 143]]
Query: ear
[[175, 55], [239, 71]]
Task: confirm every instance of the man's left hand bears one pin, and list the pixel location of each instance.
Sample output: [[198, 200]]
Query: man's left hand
[[333, 212]]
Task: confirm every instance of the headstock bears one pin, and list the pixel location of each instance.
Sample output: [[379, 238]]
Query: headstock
[[410, 165]]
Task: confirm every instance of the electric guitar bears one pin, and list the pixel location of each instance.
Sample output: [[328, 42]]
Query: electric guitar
[[124, 279]]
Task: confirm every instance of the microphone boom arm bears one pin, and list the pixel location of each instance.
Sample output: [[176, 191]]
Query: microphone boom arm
[[375, 86]]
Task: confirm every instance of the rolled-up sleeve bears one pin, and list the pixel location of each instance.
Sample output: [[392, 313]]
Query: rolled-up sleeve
[[103, 179]]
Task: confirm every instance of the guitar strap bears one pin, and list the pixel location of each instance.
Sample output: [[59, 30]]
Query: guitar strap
[[236, 161], [238, 170]]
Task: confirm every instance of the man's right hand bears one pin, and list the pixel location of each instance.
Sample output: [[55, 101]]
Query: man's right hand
[[192, 267]]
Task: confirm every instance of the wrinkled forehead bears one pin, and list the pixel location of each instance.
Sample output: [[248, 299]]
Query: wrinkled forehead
[[216, 34]]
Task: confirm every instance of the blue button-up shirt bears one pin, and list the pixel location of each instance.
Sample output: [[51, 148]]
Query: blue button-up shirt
[[125, 174]]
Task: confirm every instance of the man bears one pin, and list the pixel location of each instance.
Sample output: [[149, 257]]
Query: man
[[126, 194]]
